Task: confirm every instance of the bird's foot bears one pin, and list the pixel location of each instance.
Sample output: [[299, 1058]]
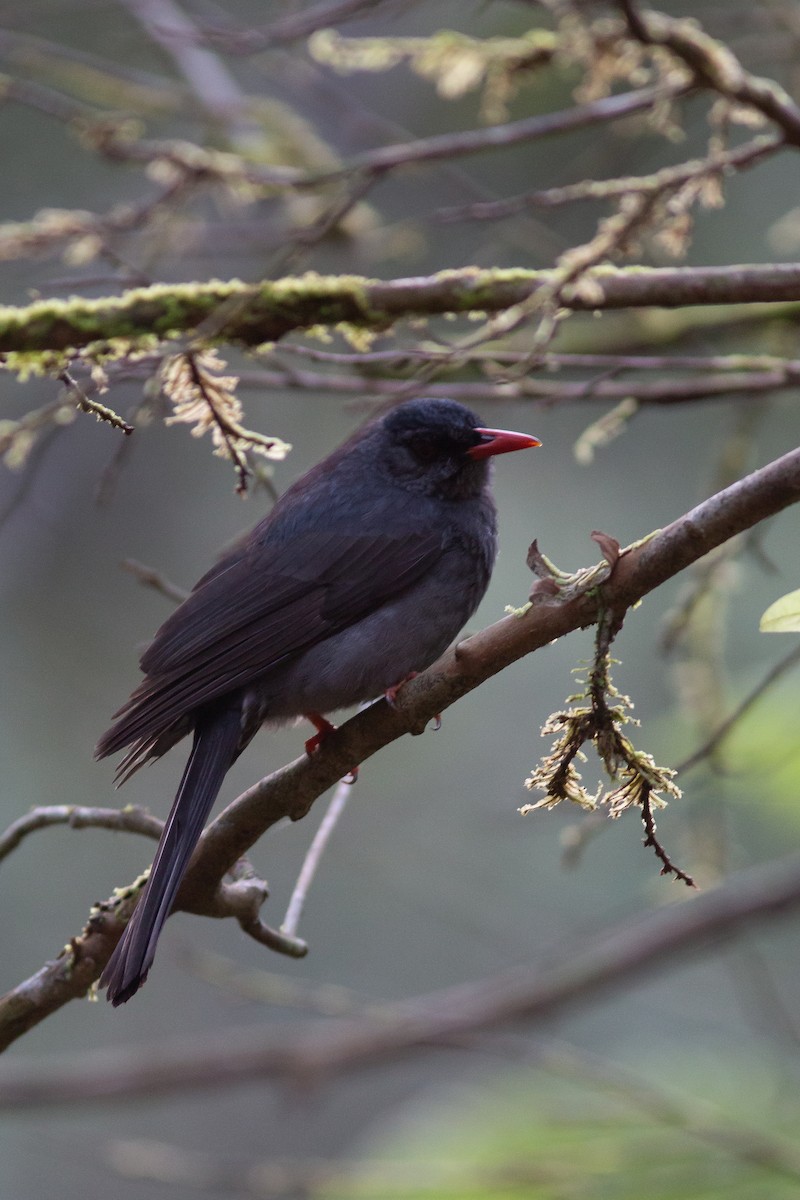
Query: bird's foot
[[391, 692], [391, 698], [324, 729]]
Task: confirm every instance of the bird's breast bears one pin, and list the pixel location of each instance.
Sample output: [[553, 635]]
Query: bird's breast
[[405, 634]]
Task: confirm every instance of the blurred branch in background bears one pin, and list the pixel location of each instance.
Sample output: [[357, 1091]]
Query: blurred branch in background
[[647, 943], [622, 45]]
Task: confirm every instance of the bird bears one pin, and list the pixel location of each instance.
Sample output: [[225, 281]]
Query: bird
[[361, 576]]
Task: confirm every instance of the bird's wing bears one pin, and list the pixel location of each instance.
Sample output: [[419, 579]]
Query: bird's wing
[[247, 616]]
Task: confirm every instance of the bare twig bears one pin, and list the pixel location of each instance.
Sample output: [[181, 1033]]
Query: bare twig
[[294, 27], [651, 839], [787, 663], [407, 357], [554, 391], [663, 180], [125, 820], [475, 141], [313, 858], [32, 468], [211, 82], [90, 231], [154, 579], [278, 940]]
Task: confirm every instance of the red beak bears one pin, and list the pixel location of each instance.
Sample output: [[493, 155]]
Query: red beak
[[501, 441]]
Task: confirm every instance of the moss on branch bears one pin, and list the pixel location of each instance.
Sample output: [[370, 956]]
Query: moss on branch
[[35, 337]]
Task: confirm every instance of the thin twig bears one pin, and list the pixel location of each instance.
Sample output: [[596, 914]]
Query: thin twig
[[126, 820], [212, 84], [313, 857], [154, 579], [476, 141], [721, 732], [602, 389], [32, 468], [408, 356], [86, 404], [274, 939], [668, 867], [22, 239], [663, 180], [295, 27]]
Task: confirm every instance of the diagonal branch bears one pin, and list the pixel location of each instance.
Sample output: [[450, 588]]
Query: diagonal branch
[[666, 178], [528, 129], [714, 65], [291, 791]]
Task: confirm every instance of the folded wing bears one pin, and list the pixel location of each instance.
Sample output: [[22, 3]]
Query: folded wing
[[253, 611]]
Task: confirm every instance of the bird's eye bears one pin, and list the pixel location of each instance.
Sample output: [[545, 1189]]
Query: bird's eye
[[425, 448]]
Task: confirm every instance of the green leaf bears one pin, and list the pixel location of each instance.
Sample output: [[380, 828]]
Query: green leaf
[[783, 616]]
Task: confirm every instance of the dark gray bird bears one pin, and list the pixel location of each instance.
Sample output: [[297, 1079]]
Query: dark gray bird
[[363, 574]]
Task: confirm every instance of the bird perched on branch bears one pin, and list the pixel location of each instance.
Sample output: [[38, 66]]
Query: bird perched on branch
[[362, 575]]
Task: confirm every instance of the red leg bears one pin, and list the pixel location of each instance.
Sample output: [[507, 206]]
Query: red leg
[[391, 693], [324, 729]]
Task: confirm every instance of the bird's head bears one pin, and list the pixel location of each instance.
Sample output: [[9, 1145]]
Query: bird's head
[[440, 448]]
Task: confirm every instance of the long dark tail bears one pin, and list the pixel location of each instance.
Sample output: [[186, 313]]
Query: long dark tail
[[216, 745]]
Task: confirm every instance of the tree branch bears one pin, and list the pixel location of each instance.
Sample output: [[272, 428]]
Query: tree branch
[[715, 66], [663, 180], [125, 820], [641, 569], [266, 311], [706, 751], [610, 960], [291, 791], [472, 141], [603, 390]]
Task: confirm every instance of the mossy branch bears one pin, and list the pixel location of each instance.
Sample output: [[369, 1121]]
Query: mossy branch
[[37, 336]]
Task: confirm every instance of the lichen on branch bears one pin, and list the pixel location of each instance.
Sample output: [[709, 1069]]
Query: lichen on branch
[[205, 398], [598, 716]]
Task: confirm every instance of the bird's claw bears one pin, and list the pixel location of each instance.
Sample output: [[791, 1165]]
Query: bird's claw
[[324, 729], [392, 692], [391, 698]]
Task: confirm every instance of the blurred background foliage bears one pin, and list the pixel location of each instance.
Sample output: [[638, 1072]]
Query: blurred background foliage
[[684, 1085]]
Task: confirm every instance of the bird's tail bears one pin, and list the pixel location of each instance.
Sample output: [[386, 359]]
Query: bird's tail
[[215, 748]]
